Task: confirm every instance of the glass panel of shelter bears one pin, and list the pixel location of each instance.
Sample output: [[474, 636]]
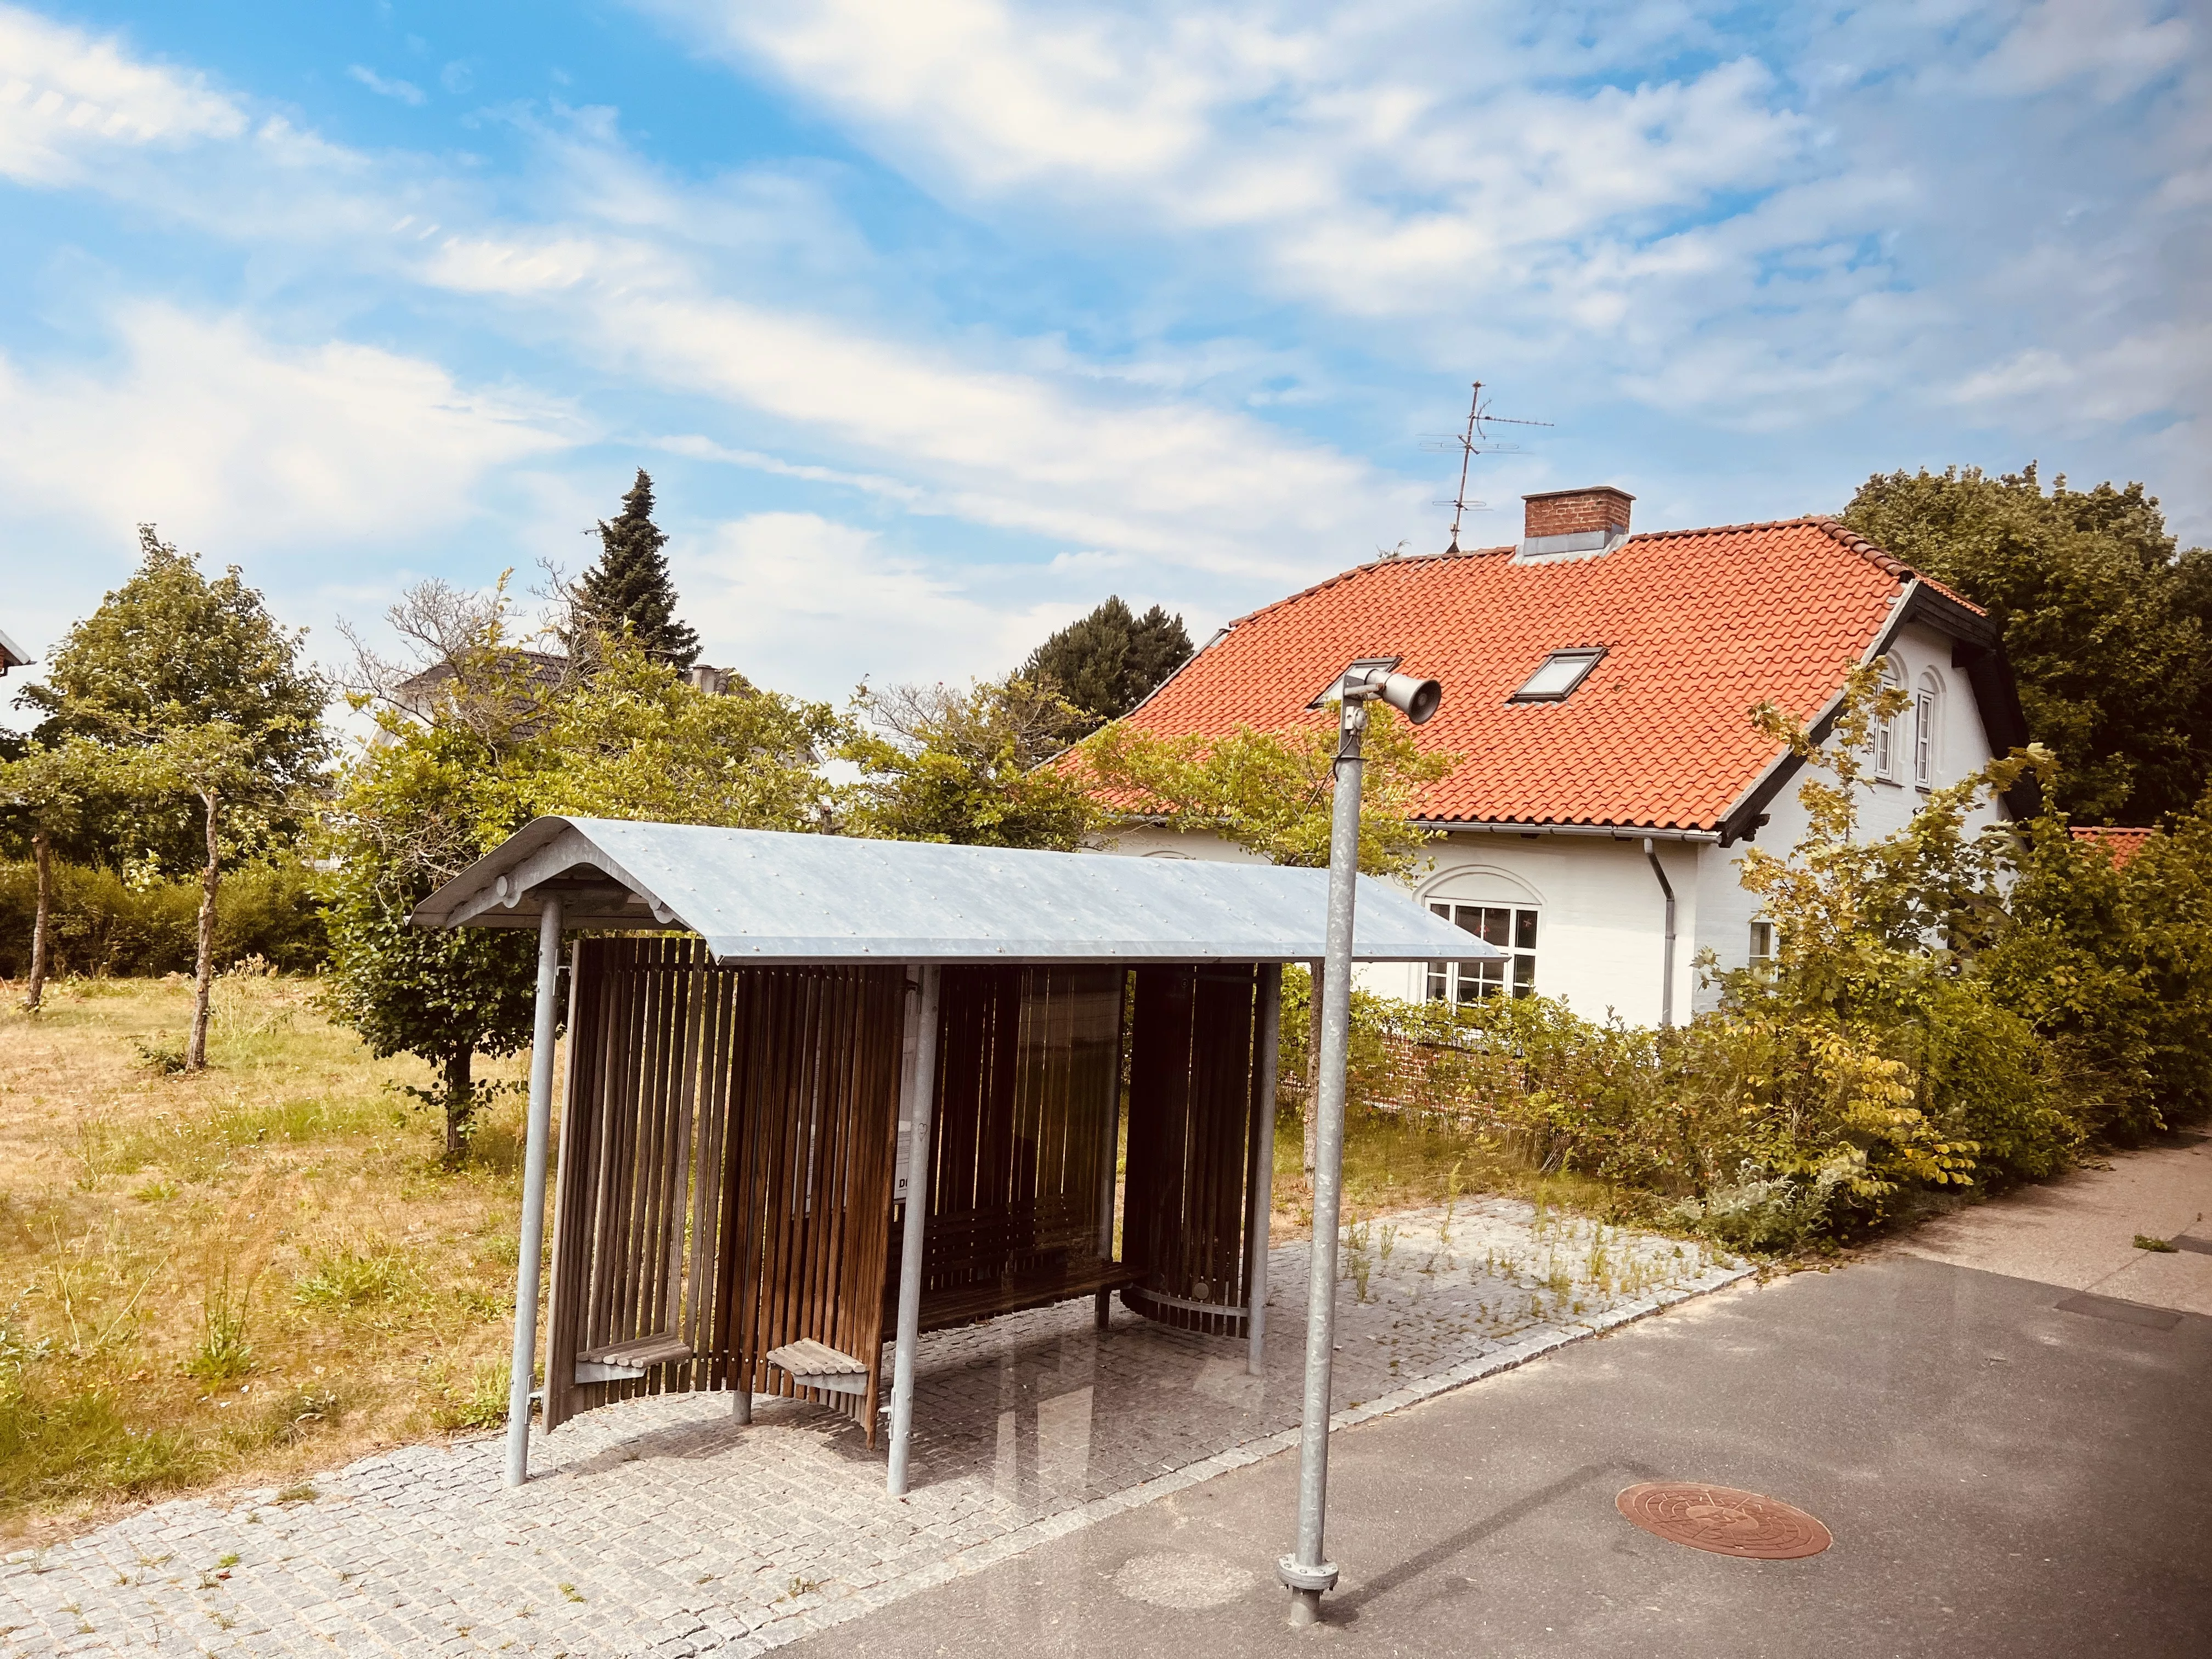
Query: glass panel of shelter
[[1512, 928]]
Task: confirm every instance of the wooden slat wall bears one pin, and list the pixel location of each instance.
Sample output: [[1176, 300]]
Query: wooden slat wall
[[725, 1168], [1194, 1106], [1027, 1098]]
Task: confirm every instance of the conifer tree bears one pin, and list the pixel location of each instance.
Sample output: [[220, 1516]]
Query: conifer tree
[[628, 589], [1107, 663]]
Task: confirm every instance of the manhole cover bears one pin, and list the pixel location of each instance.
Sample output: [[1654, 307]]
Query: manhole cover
[[1723, 1520], [1171, 1579]]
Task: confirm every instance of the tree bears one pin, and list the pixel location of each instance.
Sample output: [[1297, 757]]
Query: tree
[[628, 590], [194, 687], [502, 742], [1272, 792], [1269, 791], [940, 763], [1107, 663], [2108, 629], [49, 797]]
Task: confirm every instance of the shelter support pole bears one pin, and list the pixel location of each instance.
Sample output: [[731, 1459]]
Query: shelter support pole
[[1269, 1041], [536, 1149], [1308, 1573], [914, 1241], [1666, 967]]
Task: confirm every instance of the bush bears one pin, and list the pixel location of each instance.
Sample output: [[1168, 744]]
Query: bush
[[101, 926]]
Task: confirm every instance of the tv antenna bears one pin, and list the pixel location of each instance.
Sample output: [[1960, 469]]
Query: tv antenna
[[1473, 442]]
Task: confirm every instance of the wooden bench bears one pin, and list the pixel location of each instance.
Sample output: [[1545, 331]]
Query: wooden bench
[[623, 1362]]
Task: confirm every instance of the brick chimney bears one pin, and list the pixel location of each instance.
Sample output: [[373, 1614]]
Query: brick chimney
[[1602, 509]]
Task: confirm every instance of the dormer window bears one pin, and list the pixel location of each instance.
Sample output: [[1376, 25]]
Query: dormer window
[[1562, 671]]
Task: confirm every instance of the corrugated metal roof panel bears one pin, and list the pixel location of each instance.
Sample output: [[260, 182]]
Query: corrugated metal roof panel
[[762, 896]]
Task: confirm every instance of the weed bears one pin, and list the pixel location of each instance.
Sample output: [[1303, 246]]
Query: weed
[[224, 1354], [803, 1587], [160, 1055], [570, 1591], [1390, 1240], [300, 1492], [347, 1278], [155, 1191], [479, 1404], [226, 1561], [2163, 1246]]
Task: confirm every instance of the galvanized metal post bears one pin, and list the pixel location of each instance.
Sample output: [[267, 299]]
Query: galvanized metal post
[[536, 1149], [1308, 1572], [1263, 1168], [913, 1240]]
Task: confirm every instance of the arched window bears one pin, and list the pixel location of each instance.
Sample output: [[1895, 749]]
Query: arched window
[[1926, 729], [1888, 742], [1498, 908]]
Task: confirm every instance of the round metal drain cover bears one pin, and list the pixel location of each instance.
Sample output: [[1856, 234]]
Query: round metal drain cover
[[1188, 1583], [1724, 1521]]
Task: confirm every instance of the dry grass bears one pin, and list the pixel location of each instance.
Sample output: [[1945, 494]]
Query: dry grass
[[236, 1277]]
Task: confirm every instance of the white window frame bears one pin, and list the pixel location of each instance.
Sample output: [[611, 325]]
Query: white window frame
[[1924, 737], [1514, 976], [1766, 947]]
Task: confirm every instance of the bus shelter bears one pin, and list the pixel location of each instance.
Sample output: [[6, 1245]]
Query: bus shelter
[[824, 1093]]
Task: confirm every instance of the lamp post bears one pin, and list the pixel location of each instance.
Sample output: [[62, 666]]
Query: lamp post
[[1308, 1573]]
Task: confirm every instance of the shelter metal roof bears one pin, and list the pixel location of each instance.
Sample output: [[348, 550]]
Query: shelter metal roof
[[764, 896]]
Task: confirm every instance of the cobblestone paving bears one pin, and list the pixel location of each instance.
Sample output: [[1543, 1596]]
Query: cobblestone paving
[[660, 1527]]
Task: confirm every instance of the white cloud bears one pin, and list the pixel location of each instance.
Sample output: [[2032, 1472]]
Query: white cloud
[[2118, 44], [66, 97], [225, 439], [405, 92], [1385, 159], [1061, 456], [808, 604]]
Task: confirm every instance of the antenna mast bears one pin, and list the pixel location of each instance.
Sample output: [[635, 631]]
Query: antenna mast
[[1472, 442]]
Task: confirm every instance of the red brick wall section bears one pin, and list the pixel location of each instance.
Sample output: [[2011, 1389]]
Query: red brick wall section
[[1563, 512]]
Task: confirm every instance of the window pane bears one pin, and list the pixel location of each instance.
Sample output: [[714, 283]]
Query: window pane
[[1497, 926], [1561, 672], [1443, 911], [1437, 981], [1524, 976], [1524, 930], [1468, 916], [1480, 979]]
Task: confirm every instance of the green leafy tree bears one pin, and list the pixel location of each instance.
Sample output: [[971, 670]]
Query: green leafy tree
[[51, 797], [201, 695], [627, 591], [450, 776], [1107, 663], [942, 763], [2109, 628], [1272, 792]]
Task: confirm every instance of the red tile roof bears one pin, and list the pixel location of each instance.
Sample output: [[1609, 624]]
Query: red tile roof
[[2123, 843], [1698, 626]]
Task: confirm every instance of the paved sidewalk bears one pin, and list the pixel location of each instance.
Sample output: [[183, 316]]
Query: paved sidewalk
[[2080, 1231], [660, 1527]]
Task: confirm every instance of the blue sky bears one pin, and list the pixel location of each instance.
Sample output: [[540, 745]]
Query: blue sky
[[936, 321]]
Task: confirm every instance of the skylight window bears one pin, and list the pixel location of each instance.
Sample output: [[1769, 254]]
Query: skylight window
[[1562, 671]]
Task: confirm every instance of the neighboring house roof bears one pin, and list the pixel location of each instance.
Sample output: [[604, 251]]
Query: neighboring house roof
[[1695, 626], [764, 895], [2123, 843], [12, 655]]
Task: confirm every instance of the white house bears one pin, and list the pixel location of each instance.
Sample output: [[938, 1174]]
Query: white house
[[1598, 687]]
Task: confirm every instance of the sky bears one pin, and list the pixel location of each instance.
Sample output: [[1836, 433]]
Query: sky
[[936, 321]]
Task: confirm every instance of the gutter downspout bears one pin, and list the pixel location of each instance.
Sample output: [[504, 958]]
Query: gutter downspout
[[1666, 985]]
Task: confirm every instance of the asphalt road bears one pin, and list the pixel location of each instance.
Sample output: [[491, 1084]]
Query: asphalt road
[[2002, 1475]]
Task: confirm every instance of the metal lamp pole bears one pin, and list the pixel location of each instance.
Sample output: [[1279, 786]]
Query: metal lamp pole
[[1308, 1572]]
